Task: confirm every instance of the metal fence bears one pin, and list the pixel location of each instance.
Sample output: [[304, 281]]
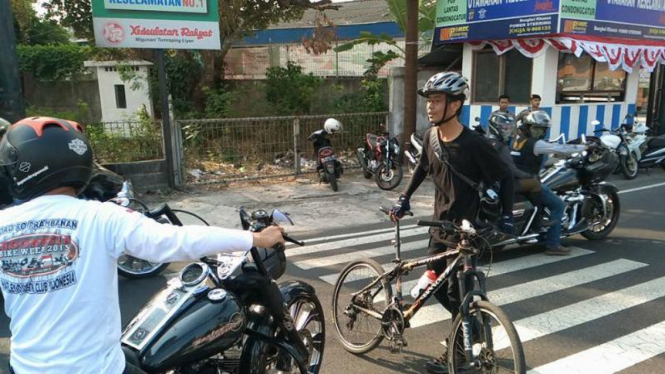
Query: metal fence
[[126, 141], [217, 150]]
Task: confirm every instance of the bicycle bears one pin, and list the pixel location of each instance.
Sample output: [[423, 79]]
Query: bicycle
[[484, 337]]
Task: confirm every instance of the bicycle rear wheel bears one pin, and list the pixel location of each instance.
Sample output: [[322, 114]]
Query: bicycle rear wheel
[[496, 345], [357, 331]]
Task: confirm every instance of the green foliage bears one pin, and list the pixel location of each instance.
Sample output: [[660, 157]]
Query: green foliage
[[218, 102], [53, 62], [290, 90], [79, 115], [370, 98], [135, 141], [44, 32]]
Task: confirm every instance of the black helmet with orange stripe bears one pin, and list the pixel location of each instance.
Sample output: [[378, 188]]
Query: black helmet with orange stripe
[[39, 154]]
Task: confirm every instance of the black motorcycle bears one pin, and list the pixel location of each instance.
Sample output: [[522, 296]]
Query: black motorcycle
[[227, 315], [378, 155], [327, 165], [592, 206]]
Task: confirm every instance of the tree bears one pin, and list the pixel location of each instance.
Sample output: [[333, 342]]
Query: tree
[[426, 23], [33, 30]]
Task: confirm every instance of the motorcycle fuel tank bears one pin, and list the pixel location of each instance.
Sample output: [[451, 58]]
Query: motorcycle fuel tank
[[564, 178], [185, 324]]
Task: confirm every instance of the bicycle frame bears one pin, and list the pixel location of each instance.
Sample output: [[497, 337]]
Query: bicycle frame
[[403, 268]]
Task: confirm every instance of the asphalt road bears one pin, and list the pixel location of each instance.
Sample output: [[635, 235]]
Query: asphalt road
[[599, 310]]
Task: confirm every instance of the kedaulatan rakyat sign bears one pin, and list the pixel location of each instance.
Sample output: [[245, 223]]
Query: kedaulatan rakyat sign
[[167, 24]]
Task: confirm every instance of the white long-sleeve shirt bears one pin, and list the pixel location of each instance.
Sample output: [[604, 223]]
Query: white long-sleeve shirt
[[60, 282]]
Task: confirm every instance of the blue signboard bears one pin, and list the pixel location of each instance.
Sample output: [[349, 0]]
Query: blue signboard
[[469, 20], [640, 19]]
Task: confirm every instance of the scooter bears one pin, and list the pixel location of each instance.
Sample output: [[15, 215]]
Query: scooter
[[653, 153], [413, 155], [327, 165]]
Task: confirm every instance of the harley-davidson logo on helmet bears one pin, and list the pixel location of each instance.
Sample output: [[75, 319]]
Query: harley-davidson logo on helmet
[[78, 146], [24, 167]]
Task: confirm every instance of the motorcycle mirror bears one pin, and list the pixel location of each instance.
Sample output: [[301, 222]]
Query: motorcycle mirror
[[244, 219], [477, 119], [280, 217]]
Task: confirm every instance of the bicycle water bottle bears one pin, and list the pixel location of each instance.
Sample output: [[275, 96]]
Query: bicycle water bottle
[[425, 280]]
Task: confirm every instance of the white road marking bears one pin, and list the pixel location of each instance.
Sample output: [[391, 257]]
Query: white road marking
[[347, 243], [357, 255], [642, 188], [435, 313], [613, 356]]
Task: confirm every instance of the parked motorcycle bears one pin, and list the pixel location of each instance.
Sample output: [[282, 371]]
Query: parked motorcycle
[[592, 206], [327, 165], [379, 157], [413, 155], [653, 153], [227, 315], [631, 139]]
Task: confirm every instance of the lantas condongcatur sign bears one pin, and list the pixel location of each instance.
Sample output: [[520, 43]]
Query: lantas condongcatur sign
[[168, 24]]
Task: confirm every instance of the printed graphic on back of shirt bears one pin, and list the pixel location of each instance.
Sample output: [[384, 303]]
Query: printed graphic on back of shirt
[[38, 256]]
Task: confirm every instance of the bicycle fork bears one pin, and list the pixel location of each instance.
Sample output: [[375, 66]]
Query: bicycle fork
[[471, 277]]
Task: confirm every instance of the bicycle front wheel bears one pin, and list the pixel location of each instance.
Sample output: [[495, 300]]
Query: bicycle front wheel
[[358, 331], [496, 346]]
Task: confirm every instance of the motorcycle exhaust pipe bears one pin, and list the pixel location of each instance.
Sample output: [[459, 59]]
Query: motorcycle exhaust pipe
[[519, 239]]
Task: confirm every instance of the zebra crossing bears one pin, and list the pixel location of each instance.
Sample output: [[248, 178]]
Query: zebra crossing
[[525, 279]]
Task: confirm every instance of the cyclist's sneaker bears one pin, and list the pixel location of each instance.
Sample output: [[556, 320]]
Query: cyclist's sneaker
[[440, 364]]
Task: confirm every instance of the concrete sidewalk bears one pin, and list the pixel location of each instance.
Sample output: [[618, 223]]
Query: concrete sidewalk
[[313, 207]]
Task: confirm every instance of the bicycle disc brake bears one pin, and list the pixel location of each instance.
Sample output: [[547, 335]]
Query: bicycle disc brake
[[393, 328]]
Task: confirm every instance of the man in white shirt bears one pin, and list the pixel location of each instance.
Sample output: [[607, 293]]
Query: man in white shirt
[[59, 253]]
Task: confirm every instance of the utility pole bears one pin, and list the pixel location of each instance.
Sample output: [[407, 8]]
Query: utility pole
[[410, 71], [11, 98]]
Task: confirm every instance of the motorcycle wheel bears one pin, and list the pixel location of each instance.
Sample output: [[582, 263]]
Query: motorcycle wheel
[[309, 320], [333, 181], [389, 179], [629, 166], [602, 229]]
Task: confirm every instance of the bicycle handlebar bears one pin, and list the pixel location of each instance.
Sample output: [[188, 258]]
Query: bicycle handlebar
[[387, 211]]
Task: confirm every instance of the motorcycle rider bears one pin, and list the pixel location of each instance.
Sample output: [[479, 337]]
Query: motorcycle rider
[[500, 130], [320, 137], [528, 154], [65, 317], [454, 200]]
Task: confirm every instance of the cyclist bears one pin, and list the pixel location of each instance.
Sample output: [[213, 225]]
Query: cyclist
[[65, 317], [450, 149]]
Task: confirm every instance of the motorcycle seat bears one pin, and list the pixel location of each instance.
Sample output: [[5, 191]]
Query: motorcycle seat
[[372, 140], [656, 142]]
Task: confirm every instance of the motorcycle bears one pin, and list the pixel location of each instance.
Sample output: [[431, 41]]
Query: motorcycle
[[413, 155], [227, 315], [653, 153], [592, 206], [379, 157], [629, 152], [327, 165]]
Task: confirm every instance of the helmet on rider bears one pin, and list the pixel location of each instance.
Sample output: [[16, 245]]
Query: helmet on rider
[[453, 85], [4, 126], [503, 125], [332, 125], [536, 124], [39, 154]]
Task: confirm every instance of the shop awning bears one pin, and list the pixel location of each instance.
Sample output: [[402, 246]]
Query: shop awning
[[625, 54]]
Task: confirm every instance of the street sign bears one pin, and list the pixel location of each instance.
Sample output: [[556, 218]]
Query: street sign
[[168, 24]]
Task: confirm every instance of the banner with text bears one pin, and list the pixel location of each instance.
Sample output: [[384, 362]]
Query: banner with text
[[473, 20], [638, 19], [168, 24]]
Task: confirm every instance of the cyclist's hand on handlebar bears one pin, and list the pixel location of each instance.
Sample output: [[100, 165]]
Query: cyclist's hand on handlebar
[[401, 206], [269, 237]]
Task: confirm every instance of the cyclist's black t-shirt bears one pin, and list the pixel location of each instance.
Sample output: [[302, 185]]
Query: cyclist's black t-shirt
[[471, 155]]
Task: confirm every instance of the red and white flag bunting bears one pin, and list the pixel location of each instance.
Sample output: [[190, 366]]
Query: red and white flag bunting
[[624, 54]]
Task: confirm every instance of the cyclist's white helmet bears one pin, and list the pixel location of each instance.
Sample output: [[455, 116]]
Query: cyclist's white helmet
[[332, 125], [447, 82]]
